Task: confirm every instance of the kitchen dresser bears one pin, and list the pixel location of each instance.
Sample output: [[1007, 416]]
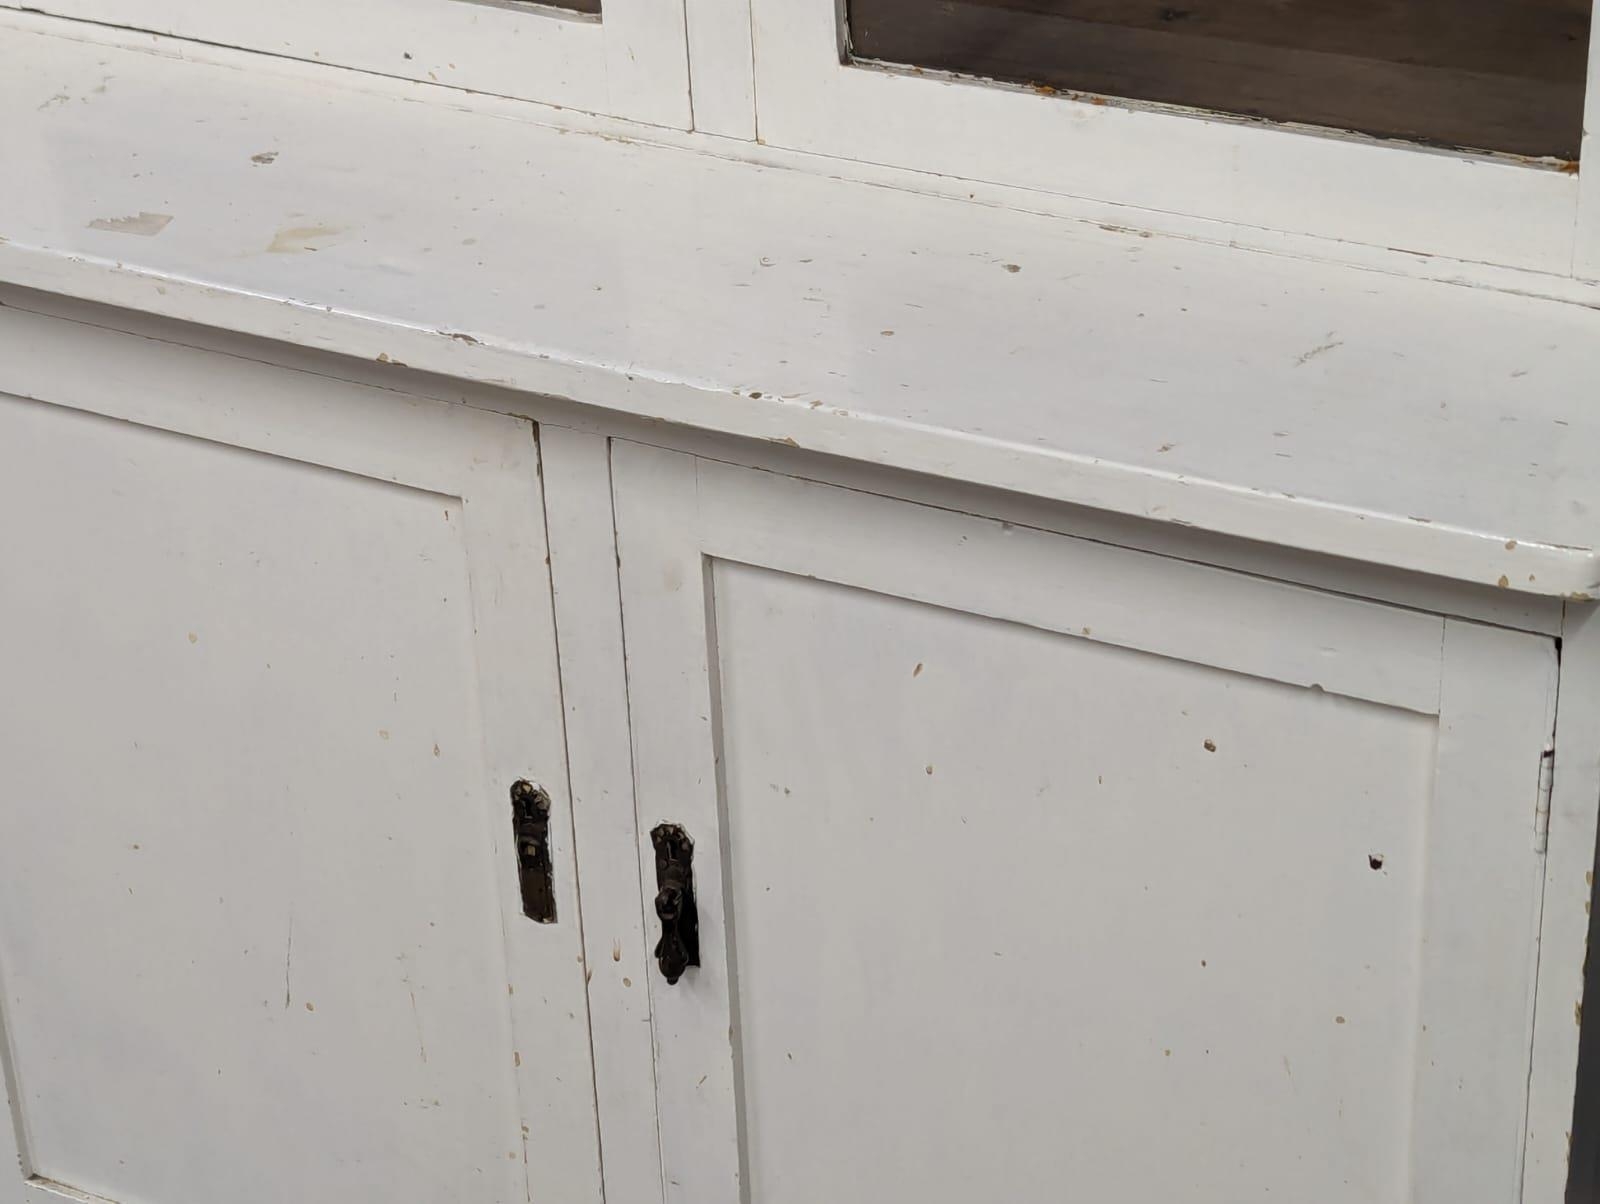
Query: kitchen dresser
[[633, 606]]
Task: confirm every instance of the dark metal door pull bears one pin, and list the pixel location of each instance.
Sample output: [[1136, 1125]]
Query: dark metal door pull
[[530, 826], [679, 946]]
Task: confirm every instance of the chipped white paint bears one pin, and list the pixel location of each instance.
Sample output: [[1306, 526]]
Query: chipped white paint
[[1021, 856], [1445, 432], [147, 224], [291, 240], [286, 645]]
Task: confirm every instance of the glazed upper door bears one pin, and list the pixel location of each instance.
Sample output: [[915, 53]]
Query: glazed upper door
[[625, 58], [1023, 861], [276, 650], [1432, 129]]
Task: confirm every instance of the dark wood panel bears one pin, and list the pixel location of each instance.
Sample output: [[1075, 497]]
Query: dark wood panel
[[1502, 75], [572, 6], [1583, 1172]]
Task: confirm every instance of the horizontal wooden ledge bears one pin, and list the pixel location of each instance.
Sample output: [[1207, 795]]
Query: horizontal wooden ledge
[[1438, 428]]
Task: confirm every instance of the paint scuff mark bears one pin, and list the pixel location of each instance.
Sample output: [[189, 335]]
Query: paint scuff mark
[[416, 1019], [459, 337], [146, 224], [264, 157], [288, 963], [1320, 349], [291, 240]]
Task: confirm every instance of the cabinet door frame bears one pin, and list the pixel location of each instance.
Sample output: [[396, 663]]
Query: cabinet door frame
[[490, 462], [629, 62], [1492, 689], [1482, 207]]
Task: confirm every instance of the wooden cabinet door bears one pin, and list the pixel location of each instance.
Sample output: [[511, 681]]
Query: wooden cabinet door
[[273, 650], [1034, 869]]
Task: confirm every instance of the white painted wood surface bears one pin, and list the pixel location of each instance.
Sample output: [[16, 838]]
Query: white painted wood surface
[[1399, 422], [1586, 263], [1385, 193], [1478, 956], [675, 781], [939, 768], [721, 67], [277, 648], [630, 62], [594, 690]]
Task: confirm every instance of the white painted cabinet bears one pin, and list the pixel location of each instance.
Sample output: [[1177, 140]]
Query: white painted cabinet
[[1026, 864], [1020, 861], [993, 642], [275, 650]]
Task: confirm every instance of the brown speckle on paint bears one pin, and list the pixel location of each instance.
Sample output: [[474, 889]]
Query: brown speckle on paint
[[1211, 746]]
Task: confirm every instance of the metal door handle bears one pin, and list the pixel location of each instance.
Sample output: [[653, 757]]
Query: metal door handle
[[679, 946], [530, 827]]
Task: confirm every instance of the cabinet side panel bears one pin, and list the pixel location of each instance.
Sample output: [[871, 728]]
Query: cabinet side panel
[[1561, 1129]]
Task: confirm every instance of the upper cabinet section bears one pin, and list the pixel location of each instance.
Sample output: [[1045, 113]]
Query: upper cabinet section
[[623, 58], [1372, 130], [1495, 75], [1452, 129]]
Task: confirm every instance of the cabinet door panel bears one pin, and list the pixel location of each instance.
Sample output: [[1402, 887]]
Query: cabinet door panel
[[275, 651], [1023, 861]]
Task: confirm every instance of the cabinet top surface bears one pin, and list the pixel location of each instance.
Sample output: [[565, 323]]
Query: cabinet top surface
[[1437, 427]]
